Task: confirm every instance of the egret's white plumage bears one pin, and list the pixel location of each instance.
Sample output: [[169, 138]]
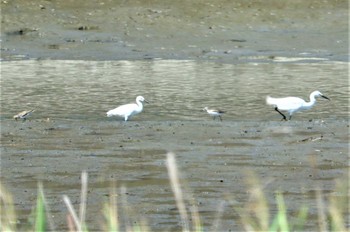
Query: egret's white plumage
[[293, 104], [214, 112], [128, 110], [23, 115]]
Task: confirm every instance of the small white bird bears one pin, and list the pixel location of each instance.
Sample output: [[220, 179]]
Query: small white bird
[[128, 110], [23, 115], [214, 112], [293, 104]]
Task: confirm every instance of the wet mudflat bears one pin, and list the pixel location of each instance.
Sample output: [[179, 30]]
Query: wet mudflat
[[223, 31], [296, 158]]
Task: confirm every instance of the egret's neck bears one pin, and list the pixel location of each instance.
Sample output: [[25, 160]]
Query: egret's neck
[[140, 105], [311, 103]]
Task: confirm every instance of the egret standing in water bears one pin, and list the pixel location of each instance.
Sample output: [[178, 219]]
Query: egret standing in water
[[293, 104], [128, 110], [214, 112]]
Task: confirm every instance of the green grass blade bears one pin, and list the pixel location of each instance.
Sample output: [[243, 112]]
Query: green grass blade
[[274, 224], [40, 219], [280, 222], [111, 218], [282, 213], [301, 219]]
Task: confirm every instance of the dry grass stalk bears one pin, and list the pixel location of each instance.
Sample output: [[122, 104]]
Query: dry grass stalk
[[72, 213], [218, 217], [79, 223], [83, 197], [70, 223], [7, 211], [338, 203], [322, 222], [256, 210], [111, 212], [175, 185]]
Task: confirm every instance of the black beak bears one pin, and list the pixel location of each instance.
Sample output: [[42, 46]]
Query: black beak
[[146, 101], [325, 97]]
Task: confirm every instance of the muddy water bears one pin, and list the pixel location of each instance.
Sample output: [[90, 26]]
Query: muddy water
[[177, 90], [69, 133]]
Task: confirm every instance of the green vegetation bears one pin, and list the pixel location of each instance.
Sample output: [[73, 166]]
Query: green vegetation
[[255, 215], [40, 215]]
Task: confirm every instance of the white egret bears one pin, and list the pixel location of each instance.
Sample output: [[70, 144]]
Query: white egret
[[128, 110], [293, 104]]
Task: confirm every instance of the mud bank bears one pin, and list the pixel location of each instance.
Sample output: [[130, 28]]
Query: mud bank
[[223, 31]]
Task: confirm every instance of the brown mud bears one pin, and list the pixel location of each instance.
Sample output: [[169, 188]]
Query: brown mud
[[224, 31]]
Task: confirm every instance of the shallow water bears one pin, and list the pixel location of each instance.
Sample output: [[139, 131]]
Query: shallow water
[[177, 90], [296, 157]]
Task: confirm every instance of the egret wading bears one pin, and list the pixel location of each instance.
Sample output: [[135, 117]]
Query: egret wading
[[293, 104], [128, 110]]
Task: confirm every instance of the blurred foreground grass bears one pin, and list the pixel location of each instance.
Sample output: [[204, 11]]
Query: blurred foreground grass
[[255, 215]]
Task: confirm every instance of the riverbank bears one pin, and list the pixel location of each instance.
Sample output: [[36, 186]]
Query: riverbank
[[223, 31]]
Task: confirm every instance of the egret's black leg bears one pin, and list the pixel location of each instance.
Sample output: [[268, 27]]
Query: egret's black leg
[[220, 117], [290, 117], [284, 116]]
